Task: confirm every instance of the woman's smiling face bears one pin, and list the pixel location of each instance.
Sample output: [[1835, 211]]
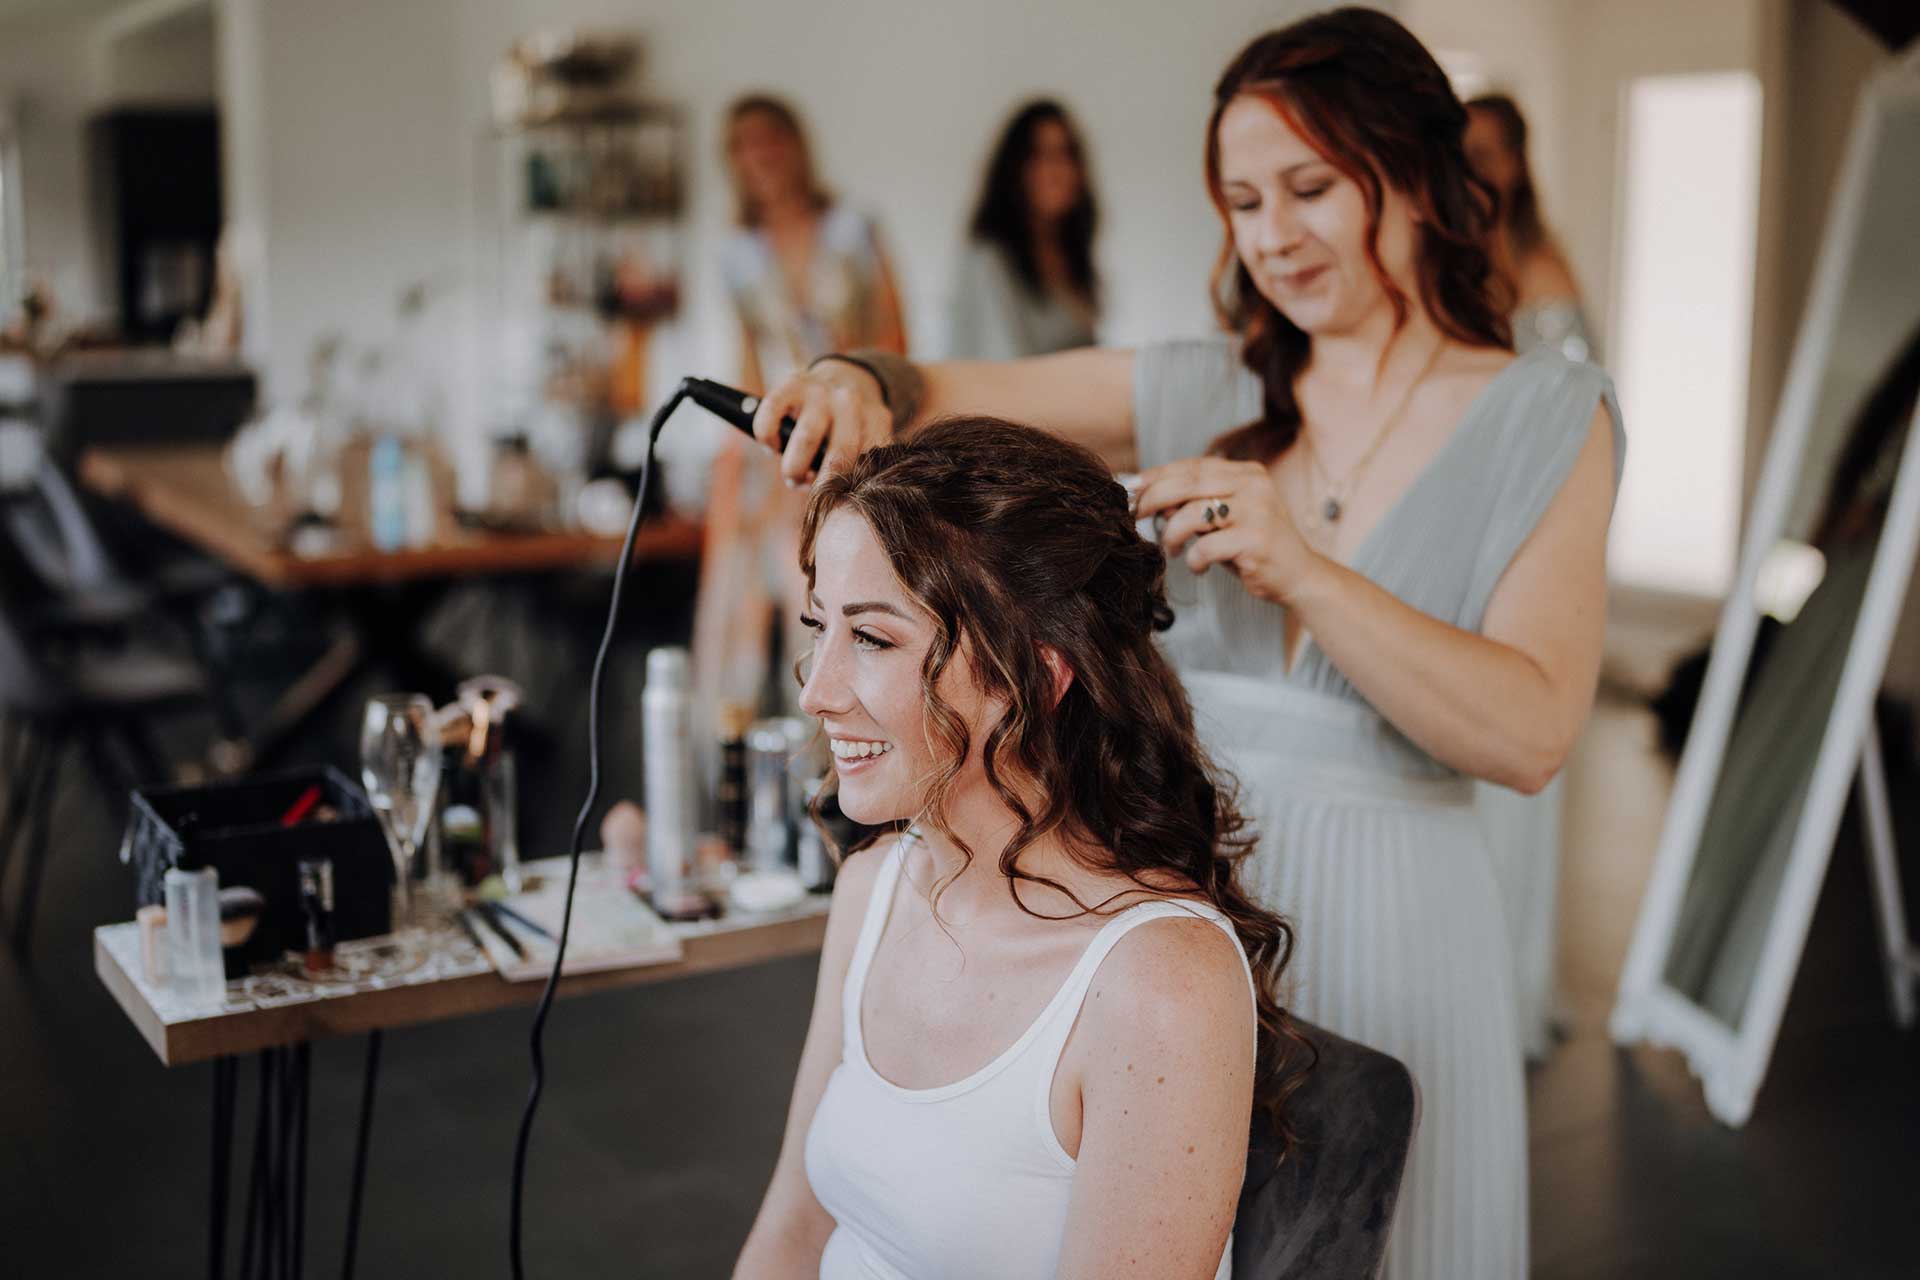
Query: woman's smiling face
[[870, 639], [1299, 225]]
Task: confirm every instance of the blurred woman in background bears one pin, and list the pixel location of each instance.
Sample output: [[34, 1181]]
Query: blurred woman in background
[[1523, 832], [1546, 300], [1027, 284], [807, 275]]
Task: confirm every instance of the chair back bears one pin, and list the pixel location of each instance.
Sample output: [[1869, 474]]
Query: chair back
[[50, 530], [1326, 1209]]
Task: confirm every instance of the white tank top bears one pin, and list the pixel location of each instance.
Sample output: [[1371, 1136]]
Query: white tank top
[[967, 1179]]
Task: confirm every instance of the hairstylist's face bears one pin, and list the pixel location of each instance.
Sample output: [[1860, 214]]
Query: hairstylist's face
[[1488, 153], [766, 155], [1300, 226], [1052, 175], [863, 678]]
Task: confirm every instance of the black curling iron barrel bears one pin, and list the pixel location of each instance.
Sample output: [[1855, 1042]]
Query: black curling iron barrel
[[733, 405]]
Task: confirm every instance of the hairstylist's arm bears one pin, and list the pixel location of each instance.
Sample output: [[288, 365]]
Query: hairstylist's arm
[[791, 1229], [1163, 1055], [1085, 396]]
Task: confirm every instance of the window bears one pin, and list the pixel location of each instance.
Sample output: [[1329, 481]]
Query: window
[[1690, 167]]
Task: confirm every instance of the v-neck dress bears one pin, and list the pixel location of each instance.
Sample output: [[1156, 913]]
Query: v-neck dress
[[1368, 844]]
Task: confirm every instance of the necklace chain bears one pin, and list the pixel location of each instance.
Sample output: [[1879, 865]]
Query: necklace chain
[[1334, 505]]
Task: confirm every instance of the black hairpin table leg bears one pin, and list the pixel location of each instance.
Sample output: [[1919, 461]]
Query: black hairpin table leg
[[283, 1173], [360, 1151], [226, 1074], [258, 1213], [302, 1067]]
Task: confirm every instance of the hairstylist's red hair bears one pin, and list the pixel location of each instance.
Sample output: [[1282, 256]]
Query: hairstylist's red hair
[[1365, 94]]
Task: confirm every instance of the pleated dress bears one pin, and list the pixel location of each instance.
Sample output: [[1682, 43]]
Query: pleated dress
[[1523, 832], [1370, 846]]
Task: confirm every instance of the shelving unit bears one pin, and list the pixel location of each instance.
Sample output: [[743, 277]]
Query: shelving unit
[[587, 233]]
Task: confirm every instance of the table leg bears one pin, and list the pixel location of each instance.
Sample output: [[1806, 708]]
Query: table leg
[[38, 819], [283, 1166], [257, 1180], [225, 1077], [360, 1151], [303, 1066], [272, 1224]]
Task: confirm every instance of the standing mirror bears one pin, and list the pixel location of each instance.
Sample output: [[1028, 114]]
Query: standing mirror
[[1784, 726]]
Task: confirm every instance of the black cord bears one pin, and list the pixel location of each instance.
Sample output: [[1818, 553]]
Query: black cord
[[580, 823]]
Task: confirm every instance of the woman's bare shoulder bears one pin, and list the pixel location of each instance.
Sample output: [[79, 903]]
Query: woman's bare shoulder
[[1172, 976]]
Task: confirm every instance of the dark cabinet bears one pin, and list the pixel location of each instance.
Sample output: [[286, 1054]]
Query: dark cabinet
[[156, 177]]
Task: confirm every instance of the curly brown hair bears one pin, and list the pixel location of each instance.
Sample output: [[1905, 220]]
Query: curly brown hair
[[1366, 94], [1012, 539]]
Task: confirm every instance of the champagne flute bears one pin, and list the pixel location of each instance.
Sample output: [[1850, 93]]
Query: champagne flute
[[400, 767]]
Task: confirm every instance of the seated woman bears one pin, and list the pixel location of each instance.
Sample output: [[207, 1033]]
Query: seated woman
[[1033, 1045]]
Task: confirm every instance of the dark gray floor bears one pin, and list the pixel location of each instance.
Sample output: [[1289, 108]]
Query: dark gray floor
[[664, 1108], [1630, 1175]]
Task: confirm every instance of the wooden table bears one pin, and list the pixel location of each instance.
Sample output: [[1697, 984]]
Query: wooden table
[[281, 1033], [383, 595], [708, 947], [185, 490]]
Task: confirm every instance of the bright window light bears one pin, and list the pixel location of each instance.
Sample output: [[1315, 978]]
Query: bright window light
[[1690, 169]]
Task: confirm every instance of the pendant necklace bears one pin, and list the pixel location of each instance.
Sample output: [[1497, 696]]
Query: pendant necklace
[[1339, 494]]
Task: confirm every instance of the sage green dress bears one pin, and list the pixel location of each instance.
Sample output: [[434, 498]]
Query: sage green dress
[[1523, 832], [1368, 844]]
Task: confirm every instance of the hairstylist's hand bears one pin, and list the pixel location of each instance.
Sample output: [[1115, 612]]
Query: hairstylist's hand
[[834, 402], [1221, 512]]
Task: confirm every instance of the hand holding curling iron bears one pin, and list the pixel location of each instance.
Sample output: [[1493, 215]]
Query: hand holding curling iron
[[835, 405]]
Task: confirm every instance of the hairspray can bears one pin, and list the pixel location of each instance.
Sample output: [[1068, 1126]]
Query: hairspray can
[[666, 709], [772, 792]]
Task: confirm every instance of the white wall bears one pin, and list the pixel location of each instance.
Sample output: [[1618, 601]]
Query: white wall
[[43, 73], [374, 110], [60, 73], [1518, 47], [170, 62]]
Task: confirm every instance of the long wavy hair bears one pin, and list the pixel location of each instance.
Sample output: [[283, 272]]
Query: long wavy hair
[[746, 210], [1001, 217], [1012, 539], [1364, 93], [1519, 211]]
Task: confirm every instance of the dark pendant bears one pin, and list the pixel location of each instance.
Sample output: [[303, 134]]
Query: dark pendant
[[1332, 510]]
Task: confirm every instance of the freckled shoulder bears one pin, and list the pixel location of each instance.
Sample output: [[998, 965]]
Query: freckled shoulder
[[1171, 977]]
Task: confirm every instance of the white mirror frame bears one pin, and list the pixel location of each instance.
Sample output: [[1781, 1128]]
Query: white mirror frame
[[1732, 1061]]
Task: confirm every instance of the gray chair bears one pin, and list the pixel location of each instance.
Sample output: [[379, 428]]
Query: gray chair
[[94, 701], [79, 585], [1325, 1210]]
